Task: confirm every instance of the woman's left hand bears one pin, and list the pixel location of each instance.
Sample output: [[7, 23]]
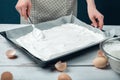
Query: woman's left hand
[[96, 17]]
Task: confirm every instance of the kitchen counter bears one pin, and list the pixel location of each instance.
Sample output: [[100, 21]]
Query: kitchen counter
[[80, 67]]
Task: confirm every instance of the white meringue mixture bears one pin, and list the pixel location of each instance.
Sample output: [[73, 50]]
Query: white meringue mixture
[[113, 49], [58, 40]]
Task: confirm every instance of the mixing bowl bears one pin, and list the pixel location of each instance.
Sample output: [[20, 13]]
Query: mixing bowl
[[111, 48]]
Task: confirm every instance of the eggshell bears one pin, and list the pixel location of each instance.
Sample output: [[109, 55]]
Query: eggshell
[[100, 62], [6, 76], [11, 54], [61, 66], [64, 76], [100, 53]]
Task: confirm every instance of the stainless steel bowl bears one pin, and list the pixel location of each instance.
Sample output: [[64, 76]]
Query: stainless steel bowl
[[111, 48]]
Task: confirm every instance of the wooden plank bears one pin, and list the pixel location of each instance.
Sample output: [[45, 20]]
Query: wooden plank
[[77, 73], [4, 46], [5, 27]]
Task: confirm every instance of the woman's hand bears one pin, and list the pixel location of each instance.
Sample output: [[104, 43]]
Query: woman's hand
[[96, 17], [24, 7]]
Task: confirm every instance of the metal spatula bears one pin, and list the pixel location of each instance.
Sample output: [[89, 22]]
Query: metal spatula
[[37, 33]]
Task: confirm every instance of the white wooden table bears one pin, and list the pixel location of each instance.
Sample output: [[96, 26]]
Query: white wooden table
[[23, 68]]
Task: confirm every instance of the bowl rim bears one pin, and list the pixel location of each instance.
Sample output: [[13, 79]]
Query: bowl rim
[[107, 54]]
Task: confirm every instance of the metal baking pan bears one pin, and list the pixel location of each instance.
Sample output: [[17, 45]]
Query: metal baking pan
[[12, 35]]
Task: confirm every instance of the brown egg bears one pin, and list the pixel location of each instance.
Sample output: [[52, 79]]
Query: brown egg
[[100, 62], [64, 76], [11, 54], [61, 66], [6, 76]]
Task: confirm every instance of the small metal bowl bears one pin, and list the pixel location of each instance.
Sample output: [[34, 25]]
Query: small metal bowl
[[111, 48]]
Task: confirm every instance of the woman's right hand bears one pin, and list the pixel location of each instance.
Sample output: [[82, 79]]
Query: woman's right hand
[[24, 7]]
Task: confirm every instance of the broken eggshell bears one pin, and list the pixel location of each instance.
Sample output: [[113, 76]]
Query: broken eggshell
[[6, 76], [100, 53], [11, 54], [64, 76], [100, 61], [61, 66]]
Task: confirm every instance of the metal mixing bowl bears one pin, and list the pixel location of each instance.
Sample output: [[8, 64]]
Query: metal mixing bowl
[[111, 48]]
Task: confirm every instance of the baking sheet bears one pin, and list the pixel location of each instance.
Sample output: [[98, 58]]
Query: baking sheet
[[14, 34]]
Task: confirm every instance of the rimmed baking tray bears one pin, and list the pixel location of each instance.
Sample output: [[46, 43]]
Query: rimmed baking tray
[[12, 35]]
